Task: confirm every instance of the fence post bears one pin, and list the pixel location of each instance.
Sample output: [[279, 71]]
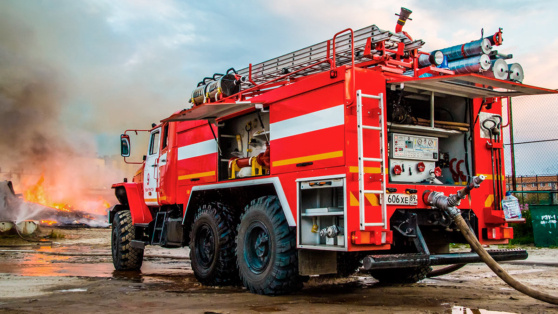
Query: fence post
[[512, 145]]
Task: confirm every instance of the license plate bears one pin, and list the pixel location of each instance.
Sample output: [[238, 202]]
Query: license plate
[[402, 199]]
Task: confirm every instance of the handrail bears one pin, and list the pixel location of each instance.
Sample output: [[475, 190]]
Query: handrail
[[274, 80], [351, 101]]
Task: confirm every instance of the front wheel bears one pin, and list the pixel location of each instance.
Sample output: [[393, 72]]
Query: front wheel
[[124, 256], [266, 249]]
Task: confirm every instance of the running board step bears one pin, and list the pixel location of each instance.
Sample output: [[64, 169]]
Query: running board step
[[137, 244], [414, 260]]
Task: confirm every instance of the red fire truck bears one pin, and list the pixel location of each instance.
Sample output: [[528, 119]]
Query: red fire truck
[[315, 161]]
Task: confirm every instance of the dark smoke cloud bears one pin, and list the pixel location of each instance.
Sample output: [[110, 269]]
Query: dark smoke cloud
[[31, 99]]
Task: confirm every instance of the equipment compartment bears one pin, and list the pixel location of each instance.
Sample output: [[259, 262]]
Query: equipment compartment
[[244, 144], [321, 211], [417, 118]]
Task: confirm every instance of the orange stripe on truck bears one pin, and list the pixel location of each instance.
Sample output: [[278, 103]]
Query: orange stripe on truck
[[197, 175], [297, 160]]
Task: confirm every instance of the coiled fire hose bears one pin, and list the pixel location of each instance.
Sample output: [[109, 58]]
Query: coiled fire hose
[[448, 204]]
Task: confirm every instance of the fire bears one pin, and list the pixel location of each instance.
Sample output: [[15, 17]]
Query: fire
[[36, 194], [48, 222]]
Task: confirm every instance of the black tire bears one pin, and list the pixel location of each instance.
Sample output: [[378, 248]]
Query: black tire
[[401, 275], [266, 249], [124, 256], [212, 246]]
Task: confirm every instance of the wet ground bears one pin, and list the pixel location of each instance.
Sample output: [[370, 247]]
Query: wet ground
[[75, 275]]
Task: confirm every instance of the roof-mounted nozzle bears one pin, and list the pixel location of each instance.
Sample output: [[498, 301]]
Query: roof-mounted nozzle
[[403, 17]]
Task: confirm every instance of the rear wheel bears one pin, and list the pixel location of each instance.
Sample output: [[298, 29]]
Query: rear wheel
[[124, 256], [212, 246], [401, 275], [266, 249]]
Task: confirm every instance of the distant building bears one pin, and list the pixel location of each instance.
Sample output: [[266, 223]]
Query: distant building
[[533, 183]]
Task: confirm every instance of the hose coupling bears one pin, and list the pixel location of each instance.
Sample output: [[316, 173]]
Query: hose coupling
[[449, 203]]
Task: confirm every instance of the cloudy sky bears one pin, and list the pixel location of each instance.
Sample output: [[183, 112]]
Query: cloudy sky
[[105, 65]]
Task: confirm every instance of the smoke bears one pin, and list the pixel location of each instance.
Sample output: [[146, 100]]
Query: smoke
[[38, 139], [30, 100]]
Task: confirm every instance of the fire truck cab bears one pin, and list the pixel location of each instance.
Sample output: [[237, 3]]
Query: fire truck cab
[[322, 161]]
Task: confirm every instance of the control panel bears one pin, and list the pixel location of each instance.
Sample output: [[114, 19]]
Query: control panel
[[413, 158], [405, 146]]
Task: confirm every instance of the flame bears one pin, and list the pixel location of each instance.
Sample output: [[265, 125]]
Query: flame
[[36, 194], [48, 222]]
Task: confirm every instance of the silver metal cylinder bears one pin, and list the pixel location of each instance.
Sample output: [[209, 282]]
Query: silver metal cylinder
[[435, 58], [499, 70], [474, 48], [224, 85], [470, 65], [198, 95], [516, 72]]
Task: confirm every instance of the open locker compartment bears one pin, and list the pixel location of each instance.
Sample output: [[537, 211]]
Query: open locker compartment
[[438, 110], [322, 213], [242, 139], [426, 152]]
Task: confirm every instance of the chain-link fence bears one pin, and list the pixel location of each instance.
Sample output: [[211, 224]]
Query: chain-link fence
[[533, 159]]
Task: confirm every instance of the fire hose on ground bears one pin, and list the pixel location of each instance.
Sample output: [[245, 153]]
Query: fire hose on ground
[[449, 205], [445, 270]]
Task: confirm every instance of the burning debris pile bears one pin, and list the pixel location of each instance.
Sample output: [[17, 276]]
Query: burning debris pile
[[35, 205]]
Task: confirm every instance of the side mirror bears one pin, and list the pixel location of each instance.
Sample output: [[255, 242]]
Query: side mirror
[[125, 145]]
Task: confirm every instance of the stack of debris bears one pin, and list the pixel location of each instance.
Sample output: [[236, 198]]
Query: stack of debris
[[14, 210]]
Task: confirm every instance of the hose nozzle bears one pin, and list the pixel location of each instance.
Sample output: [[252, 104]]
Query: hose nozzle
[[403, 16]]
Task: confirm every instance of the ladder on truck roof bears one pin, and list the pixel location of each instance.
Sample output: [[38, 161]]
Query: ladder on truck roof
[[361, 159], [321, 52]]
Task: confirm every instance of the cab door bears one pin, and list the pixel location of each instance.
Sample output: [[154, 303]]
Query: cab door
[[151, 173]]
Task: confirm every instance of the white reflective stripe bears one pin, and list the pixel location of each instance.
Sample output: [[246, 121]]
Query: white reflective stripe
[[314, 121], [198, 149]]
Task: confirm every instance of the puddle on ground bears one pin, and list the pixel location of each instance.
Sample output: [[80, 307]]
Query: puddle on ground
[[42, 265], [466, 310], [172, 276], [72, 290]]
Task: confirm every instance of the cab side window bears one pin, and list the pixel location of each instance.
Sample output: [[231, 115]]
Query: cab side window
[[165, 137], [154, 143]]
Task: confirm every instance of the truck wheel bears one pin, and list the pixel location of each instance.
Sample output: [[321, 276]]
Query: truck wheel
[[266, 249], [124, 256], [212, 246], [401, 275]]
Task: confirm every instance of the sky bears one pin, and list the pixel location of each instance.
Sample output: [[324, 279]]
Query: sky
[[90, 69]]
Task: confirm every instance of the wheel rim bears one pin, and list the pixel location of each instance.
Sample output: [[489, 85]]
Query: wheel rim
[[205, 246], [257, 248]]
